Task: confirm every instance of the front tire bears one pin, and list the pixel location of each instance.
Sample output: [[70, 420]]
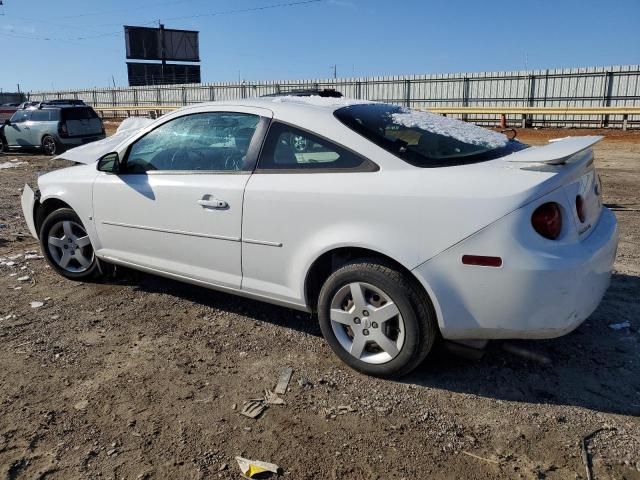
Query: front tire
[[67, 246], [376, 319], [4, 147]]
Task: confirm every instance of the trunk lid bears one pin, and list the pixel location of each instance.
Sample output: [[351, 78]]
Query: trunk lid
[[572, 161]]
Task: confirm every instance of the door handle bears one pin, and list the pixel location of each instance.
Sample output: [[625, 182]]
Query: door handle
[[211, 202]]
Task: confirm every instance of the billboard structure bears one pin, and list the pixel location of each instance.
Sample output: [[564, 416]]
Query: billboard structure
[[144, 43], [154, 74]]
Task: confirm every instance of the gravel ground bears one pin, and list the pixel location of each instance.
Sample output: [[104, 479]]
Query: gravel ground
[[138, 377]]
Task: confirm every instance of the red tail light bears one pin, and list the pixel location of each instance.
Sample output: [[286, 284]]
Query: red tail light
[[547, 220], [63, 131], [580, 208]]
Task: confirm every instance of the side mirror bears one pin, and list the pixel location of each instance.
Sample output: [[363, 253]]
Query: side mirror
[[110, 163], [7, 121]]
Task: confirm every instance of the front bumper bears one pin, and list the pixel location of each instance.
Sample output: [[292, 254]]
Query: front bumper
[[535, 294], [28, 201]]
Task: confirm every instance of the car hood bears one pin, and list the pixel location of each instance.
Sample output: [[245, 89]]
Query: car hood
[[92, 152]]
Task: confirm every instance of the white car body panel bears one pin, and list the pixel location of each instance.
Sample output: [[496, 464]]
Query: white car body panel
[[278, 224]]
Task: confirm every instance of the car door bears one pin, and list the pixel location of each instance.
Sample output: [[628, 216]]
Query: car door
[[176, 205], [306, 191], [18, 133]]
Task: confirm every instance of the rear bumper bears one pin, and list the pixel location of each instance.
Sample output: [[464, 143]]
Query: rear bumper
[[535, 294], [28, 201]]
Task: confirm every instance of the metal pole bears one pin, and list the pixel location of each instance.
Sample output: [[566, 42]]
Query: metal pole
[[164, 52]]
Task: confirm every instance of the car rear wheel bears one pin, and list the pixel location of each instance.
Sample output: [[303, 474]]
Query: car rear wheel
[[3, 145], [66, 245], [376, 319], [49, 145]]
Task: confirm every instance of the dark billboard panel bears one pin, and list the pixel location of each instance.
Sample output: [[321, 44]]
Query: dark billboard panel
[[152, 74], [145, 43]]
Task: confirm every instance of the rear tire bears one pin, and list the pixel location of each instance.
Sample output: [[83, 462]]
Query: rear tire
[[50, 146], [67, 247], [376, 319], [4, 147]]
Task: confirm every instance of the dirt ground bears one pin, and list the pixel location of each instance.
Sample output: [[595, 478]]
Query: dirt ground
[[137, 377]]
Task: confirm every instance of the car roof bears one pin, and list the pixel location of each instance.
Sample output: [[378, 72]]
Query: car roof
[[289, 106]]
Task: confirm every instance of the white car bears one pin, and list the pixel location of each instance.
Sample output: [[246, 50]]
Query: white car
[[397, 227]]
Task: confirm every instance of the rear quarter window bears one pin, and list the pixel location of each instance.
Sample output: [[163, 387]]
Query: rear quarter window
[[52, 115]]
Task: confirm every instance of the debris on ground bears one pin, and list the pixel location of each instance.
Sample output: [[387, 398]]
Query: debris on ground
[[81, 405], [37, 304], [253, 408], [283, 381], [26, 278], [620, 326], [11, 164], [473, 455], [272, 399], [251, 468]]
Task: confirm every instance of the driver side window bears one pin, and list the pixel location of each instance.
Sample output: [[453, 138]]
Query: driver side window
[[212, 141]]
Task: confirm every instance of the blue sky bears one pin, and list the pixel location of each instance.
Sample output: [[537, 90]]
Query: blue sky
[[80, 43]]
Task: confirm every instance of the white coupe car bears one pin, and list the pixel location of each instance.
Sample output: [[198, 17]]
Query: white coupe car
[[398, 227]]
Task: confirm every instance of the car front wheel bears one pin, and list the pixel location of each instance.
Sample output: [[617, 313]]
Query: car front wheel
[[376, 319], [67, 246]]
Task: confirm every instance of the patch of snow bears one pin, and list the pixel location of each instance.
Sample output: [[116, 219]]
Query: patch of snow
[[11, 164], [318, 101], [450, 127], [134, 123], [620, 326]]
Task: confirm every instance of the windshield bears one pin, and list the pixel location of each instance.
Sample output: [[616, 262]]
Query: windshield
[[425, 139]]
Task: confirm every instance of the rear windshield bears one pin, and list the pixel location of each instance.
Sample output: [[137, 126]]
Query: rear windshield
[[425, 139], [78, 113]]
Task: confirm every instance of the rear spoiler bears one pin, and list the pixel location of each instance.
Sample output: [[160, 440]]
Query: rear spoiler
[[556, 152]]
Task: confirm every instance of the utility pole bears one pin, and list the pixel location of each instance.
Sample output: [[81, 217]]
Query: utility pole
[[18, 89], [114, 81], [335, 71], [163, 52]]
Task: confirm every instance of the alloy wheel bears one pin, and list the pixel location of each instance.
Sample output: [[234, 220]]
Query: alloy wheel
[[70, 246], [367, 323]]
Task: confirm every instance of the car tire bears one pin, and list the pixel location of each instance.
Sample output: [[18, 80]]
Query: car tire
[[50, 145], [356, 325], [67, 247], [4, 147]]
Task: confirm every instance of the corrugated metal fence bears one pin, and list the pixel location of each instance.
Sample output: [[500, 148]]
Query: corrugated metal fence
[[566, 88]]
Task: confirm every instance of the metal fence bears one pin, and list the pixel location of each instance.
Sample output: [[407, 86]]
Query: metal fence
[[565, 88], [11, 97]]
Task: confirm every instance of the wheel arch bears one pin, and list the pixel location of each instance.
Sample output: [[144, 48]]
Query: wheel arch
[[329, 261], [44, 208]]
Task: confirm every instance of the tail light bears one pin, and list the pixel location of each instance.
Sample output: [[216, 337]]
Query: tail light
[[63, 131], [547, 220], [580, 208]]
